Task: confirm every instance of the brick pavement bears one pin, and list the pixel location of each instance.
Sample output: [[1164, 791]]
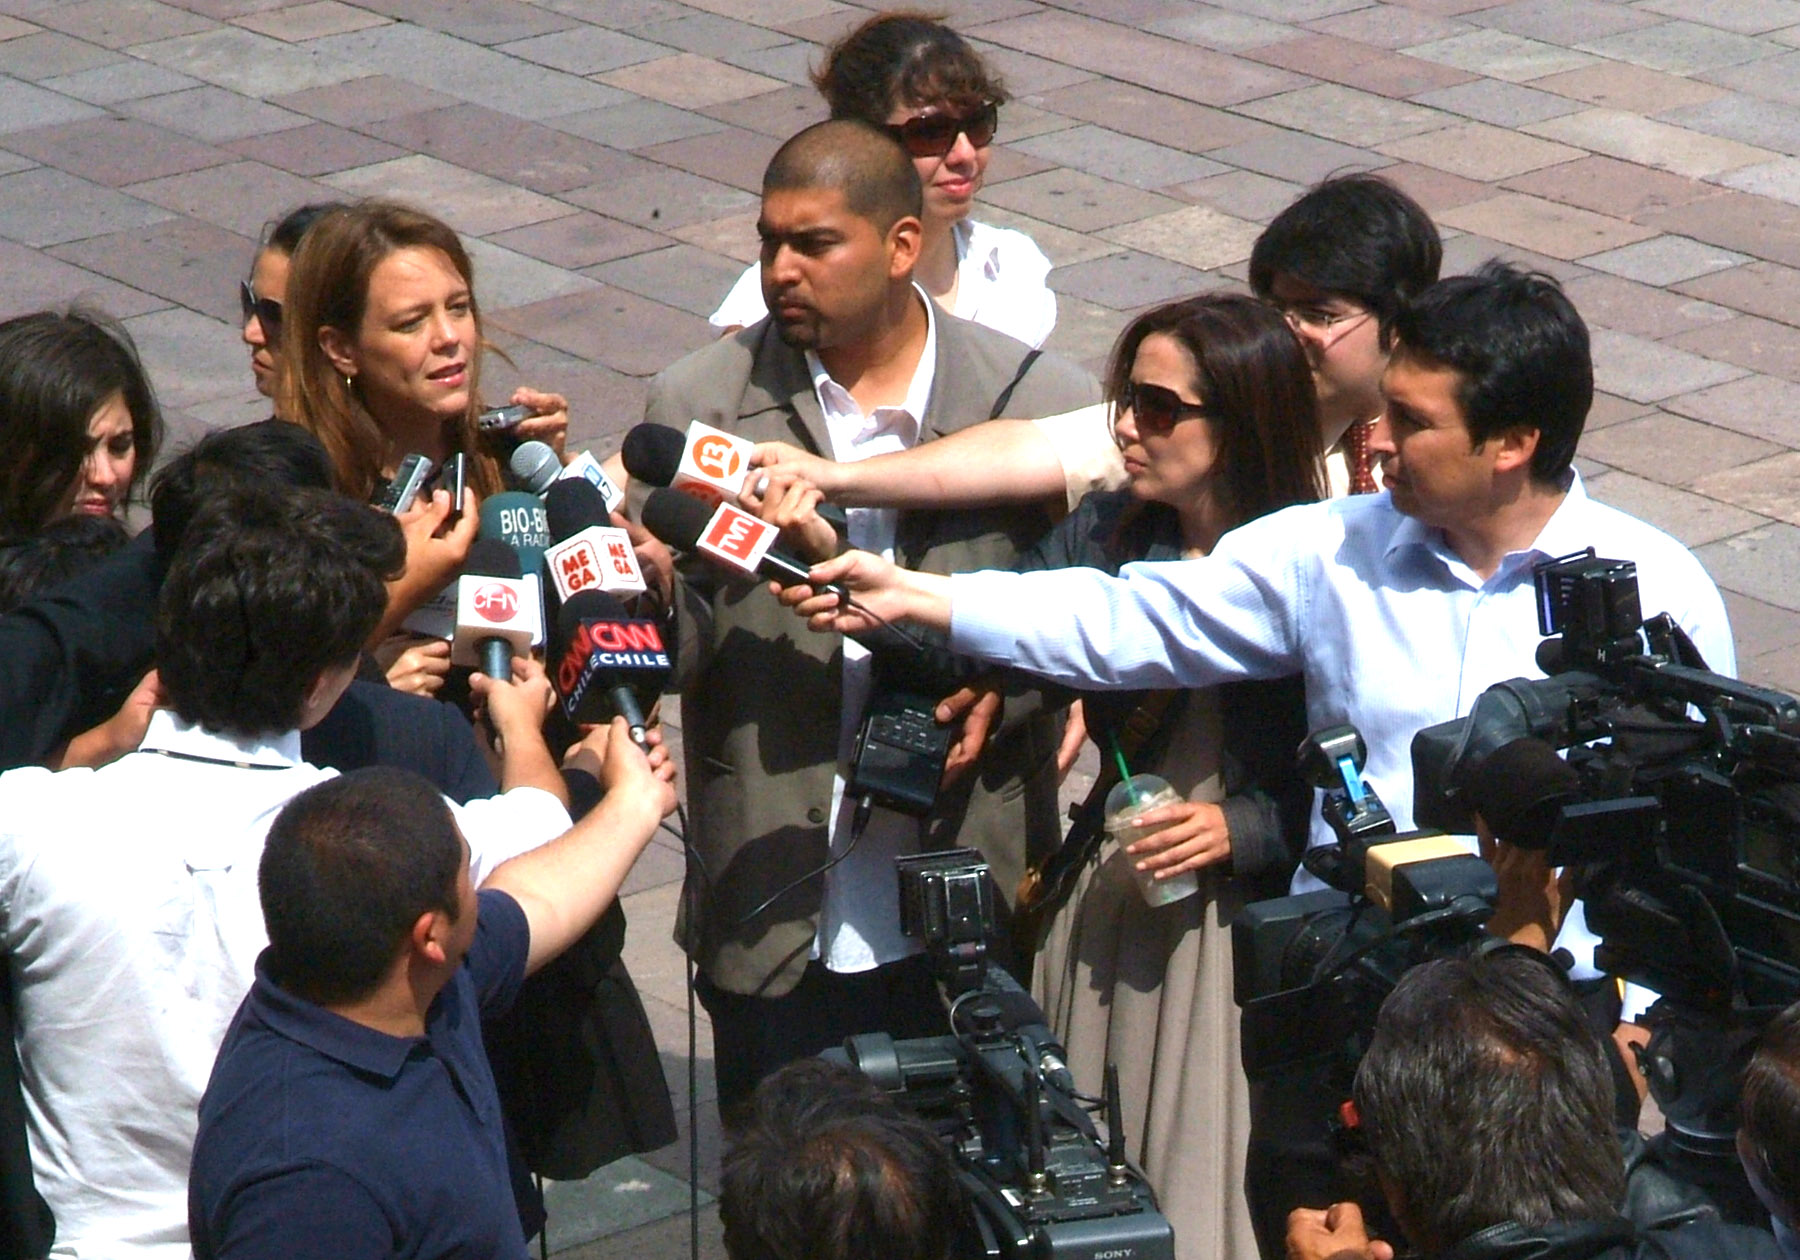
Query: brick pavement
[[603, 156]]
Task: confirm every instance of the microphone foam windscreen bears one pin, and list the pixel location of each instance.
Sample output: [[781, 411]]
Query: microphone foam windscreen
[[652, 453], [675, 518], [1520, 789], [489, 557], [573, 504], [535, 465]]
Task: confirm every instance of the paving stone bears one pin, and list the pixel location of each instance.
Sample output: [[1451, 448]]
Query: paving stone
[[1746, 17], [1618, 85], [1153, 116], [1759, 288], [626, 332], [1247, 195], [188, 262], [779, 114], [1345, 114], [1025, 74], [1544, 226], [478, 21], [1759, 627], [1649, 371], [690, 81], [466, 200], [1291, 10], [1779, 179], [1079, 201], [1059, 244], [1639, 309], [1112, 155], [1196, 236], [663, 201], [1223, 31], [1498, 55], [10, 162], [1164, 65], [13, 28], [47, 207], [1662, 260], [246, 62], [1763, 563], [1769, 487], [48, 54], [1611, 409], [1503, 104], [710, 34], [310, 21], [682, 276], [1301, 158], [1466, 251], [239, 197], [586, 50], [120, 81], [1773, 78], [1760, 345], [314, 150], [1694, 518], [213, 114], [24, 106], [1561, 21], [636, 124], [362, 101], [1478, 151], [193, 359], [734, 156], [1358, 65], [1765, 407], [1751, 225], [114, 151], [1130, 280], [1671, 449], [734, 236], [531, 155], [791, 63], [36, 280], [619, 14], [578, 240], [1388, 26], [1678, 47], [1737, 116], [116, 23], [1608, 186], [1650, 143], [469, 72], [508, 278]]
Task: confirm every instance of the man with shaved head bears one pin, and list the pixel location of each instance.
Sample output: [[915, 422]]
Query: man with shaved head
[[852, 360]]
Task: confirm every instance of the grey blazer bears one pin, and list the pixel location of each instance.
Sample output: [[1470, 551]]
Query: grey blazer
[[760, 692]]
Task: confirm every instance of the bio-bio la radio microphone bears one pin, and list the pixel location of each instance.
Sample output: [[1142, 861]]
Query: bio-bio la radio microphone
[[728, 536], [589, 555], [606, 662], [518, 520], [498, 612]]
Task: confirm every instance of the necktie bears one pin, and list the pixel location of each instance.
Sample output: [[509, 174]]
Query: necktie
[[1356, 455]]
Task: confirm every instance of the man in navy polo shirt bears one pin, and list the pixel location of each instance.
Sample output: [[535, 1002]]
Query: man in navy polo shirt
[[352, 1112]]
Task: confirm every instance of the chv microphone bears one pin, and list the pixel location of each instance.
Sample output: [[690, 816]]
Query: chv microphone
[[607, 662], [498, 611]]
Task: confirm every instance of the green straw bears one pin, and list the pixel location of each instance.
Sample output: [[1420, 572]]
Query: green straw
[[1124, 770]]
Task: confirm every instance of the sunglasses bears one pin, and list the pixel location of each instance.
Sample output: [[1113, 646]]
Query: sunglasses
[[934, 135], [1156, 409], [266, 310]]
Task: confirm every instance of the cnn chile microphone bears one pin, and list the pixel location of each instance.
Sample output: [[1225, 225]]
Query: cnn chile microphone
[[499, 613], [606, 661]]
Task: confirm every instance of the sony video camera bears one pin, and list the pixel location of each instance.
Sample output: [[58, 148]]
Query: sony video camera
[[1040, 1181]]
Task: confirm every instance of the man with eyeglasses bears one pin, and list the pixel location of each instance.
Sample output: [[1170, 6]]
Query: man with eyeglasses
[[853, 359]]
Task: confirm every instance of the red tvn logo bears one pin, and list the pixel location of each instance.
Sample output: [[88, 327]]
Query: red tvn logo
[[717, 457], [736, 536], [496, 602]]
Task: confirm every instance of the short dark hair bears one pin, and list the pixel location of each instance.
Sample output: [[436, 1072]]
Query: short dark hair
[[56, 553], [349, 866], [268, 453], [868, 166], [828, 1165], [1257, 390], [268, 590], [1486, 1097], [1770, 1105], [56, 370], [283, 235], [1521, 350], [904, 58], [1356, 235]]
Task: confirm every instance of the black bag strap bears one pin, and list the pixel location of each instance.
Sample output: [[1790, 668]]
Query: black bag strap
[[1031, 356]]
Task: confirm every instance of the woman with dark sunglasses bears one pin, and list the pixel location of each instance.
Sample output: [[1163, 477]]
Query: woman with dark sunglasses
[[1214, 414], [261, 296], [921, 82]]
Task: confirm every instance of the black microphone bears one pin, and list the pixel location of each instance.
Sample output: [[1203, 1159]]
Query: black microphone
[[652, 454], [572, 505], [605, 660], [686, 524]]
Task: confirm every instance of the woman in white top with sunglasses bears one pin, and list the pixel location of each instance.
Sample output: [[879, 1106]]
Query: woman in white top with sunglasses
[[922, 82]]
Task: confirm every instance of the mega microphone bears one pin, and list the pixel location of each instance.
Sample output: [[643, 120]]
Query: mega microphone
[[588, 555], [536, 466], [498, 611], [657, 455], [606, 662], [728, 536], [518, 520]]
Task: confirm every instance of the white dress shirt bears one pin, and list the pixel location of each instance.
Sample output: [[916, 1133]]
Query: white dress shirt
[[859, 917], [999, 284], [1392, 630], [128, 905]]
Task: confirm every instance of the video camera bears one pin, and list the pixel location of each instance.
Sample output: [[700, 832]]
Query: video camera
[[1040, 1182]]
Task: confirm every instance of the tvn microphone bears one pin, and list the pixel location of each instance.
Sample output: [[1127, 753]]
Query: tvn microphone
[[498, 612], [656, 455], [728, 536], [606, 661]]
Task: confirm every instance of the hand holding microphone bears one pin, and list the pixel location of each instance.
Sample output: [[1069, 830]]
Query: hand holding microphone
[[713, 466], [791, 503]]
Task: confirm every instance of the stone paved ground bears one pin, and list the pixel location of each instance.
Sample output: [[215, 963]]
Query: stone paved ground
[[602, 158]]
